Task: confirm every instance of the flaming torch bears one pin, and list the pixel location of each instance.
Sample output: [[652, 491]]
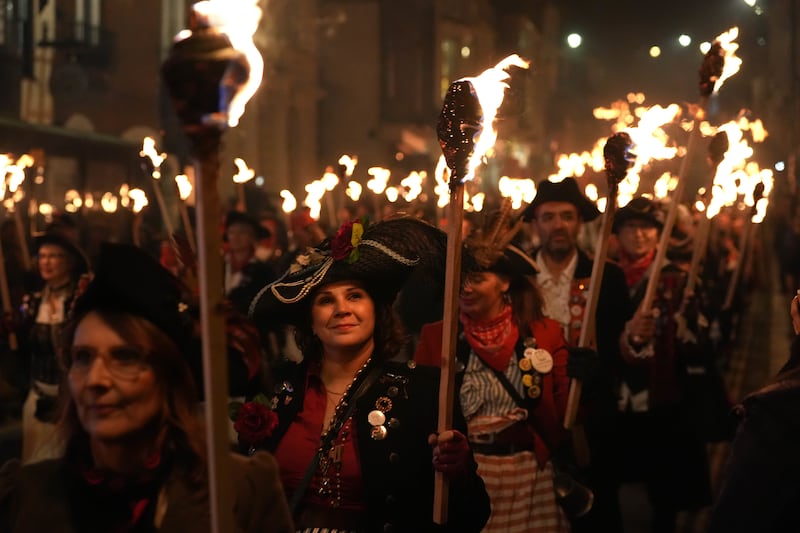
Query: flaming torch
[[243, 175], [149, 151], [184, 185], [719, 63], [716, 153], [211, 71], [747, 230], [618, 159], [465, 131]]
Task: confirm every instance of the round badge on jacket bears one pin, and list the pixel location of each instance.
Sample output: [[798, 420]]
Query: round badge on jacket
[[542, 360]]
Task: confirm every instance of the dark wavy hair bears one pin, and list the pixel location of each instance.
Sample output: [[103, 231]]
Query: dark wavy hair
[[389, 336], [179, 432]]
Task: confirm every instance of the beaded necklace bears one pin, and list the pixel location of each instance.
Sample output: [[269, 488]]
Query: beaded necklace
[[332, 445]]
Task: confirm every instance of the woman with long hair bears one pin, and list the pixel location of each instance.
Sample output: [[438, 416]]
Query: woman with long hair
[[355, 433], [134, 455]]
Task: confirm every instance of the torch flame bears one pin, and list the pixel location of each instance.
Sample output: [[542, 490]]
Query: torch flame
[[354, 190], [245, 174], [732, 62], [380, 178], [591, 192], [184, 186], [289, 202], [238, 19], [518, 189], [109, 202], [490, 88], [149, 150], [412, 185], [349, 163], [139, 200]]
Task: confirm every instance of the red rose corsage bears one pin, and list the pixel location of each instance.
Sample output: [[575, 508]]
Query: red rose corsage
[[345, 242], [254, 421]]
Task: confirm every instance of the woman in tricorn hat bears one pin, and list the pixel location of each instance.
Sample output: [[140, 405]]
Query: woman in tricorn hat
[[512, 379], [134, 455], [355, 434], [60, 264]]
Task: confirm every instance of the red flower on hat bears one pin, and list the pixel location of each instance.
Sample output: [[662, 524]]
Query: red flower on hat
[[254, 421], [345, 242]]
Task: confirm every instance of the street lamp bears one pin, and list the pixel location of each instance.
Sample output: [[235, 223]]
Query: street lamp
[[684, 40], [705, 46], [574, 40], [655, 51]]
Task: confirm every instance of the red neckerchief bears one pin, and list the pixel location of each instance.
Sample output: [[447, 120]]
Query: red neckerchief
[[635, 269], [493, 340]]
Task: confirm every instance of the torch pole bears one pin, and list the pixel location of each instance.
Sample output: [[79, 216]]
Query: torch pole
[[452, 288], [242, 203], [587, 338], [22, 238], [6, 296], [744, 240], [212, 322], [162, 206], [187, 225], [677, 195]]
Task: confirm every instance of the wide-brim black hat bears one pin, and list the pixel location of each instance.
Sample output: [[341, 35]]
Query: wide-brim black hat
[[376, 255], [127, 280], [80, 264], [640, 208], [237, 217], [562, 191]]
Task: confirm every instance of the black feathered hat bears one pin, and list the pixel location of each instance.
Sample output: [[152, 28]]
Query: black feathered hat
[[372, 254], [562, 191]]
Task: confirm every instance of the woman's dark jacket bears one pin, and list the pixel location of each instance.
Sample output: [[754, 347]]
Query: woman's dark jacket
[[398, 471]]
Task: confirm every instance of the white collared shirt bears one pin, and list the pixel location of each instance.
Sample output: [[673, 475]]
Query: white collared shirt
[[556, 290]]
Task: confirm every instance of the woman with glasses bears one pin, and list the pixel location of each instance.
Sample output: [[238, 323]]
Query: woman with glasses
[[134, 456]]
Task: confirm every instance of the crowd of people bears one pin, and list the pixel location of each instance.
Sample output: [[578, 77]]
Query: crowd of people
[[334, 352]]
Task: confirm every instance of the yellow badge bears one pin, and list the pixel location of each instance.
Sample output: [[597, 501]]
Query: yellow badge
[[527, 380], [525, 364]]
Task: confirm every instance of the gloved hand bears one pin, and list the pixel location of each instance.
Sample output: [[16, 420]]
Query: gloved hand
[[583, 364], [451, 453]]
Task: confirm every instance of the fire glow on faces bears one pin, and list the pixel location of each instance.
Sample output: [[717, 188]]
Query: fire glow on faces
[[54, 264], [558, 225], [115, 391], [637, 238], [482, 295], [343, 316]]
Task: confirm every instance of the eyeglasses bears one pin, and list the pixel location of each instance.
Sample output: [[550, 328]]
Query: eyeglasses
[[123, 362]]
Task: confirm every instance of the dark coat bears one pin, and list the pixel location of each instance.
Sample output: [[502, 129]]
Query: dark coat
[[45, 497], [398, 471], [761, 487]]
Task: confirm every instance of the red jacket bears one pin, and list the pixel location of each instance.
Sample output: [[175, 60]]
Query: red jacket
[[552, 404]]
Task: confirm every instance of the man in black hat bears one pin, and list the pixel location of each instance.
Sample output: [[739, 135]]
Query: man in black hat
[[557, 215], [243, 267]]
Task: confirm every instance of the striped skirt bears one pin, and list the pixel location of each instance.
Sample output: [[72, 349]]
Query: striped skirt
[[521, 495]]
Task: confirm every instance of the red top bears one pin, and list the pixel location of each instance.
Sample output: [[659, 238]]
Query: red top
[[300, 444], [550, 408]]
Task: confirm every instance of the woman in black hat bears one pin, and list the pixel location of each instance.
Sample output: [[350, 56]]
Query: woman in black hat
[[512, 377], [60, 264], [355, 433], [134, 457]]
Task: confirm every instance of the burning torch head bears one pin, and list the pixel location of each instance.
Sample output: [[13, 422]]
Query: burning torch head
[[711, 68], [618, 157], [717, 148], [458, 125], [203, 73]]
